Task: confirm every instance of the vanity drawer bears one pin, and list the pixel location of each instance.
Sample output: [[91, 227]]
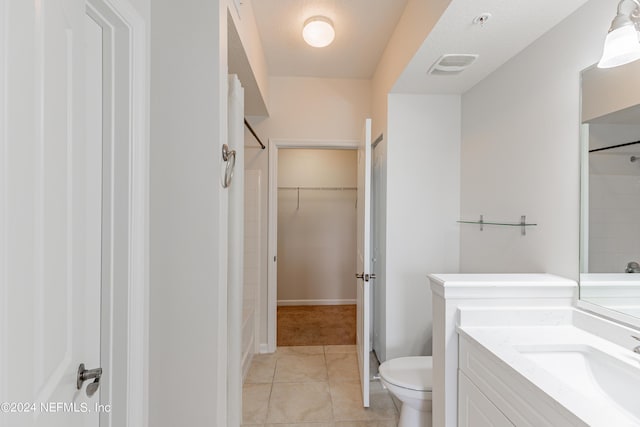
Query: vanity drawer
[[475, 409]]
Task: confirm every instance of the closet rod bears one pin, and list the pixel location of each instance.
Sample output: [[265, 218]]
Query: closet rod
[[246, 123], [614, 146], [318, 188]]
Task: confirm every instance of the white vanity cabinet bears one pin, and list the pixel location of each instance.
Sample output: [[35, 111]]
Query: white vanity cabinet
[[475, 409], [499, 396], [451, 292]]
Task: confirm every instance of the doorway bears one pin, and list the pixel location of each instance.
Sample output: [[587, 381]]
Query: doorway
[[316, 246], [116, 161], [312, 237]]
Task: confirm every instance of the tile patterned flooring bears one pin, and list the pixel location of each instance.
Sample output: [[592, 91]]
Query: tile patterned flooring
[[315, 386]]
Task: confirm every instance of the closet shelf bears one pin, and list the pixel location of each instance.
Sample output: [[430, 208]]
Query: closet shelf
[[523, 224], [317, 188]]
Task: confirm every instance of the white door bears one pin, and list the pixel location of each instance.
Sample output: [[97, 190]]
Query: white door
[[45, 249], [363, 335]]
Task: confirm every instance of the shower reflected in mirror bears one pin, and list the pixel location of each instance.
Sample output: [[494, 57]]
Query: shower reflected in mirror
[[610, 190]]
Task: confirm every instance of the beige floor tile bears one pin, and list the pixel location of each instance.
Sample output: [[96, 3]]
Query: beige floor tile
[[299, 350], [329, 349], [255, 403], [262, 369], [300, 369], [342, 367], [300, 402], [347, 403], [301, 425], [382, 423]]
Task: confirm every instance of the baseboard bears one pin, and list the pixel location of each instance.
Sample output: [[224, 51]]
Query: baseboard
[[264, 348], [247, 358], [282, 303]]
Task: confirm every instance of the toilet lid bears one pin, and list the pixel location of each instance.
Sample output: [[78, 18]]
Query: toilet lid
[[414, 373]]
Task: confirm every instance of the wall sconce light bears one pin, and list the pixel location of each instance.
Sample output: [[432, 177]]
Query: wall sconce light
[[318, 31], [622, 45]]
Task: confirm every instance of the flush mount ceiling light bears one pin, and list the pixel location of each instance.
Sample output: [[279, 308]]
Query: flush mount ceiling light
[[318, 31], [621, 45]]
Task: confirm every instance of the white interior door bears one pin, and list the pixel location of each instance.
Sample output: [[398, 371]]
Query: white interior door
[[45, 212], [363, 268]]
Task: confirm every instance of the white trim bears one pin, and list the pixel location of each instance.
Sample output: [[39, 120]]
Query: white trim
[[294, 302], [235, 267], [264, 348], [220, 407], [584, 197], [138, 372], [138, 216], [4, 319], [272, 232]]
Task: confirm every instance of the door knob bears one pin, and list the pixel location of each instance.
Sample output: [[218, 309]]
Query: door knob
[[88, 374]]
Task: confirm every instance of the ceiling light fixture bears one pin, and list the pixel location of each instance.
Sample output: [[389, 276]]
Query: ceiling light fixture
[[318, 31], [621, 45]]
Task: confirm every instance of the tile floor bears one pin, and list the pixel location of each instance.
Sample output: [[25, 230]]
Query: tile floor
[[315, 386]]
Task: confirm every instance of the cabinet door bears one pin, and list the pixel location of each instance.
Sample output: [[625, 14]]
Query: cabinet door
[[475, 409]]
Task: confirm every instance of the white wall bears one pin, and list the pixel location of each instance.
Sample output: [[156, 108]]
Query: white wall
[[246, 57], [415, 24], [257, 159], [315, 108], [317, 230], [303, 109], [606, 91], [187, 301], [422, 237], [520, 151], [252, 262]]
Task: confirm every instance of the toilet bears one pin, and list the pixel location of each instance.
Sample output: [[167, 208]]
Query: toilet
[[410, 379]]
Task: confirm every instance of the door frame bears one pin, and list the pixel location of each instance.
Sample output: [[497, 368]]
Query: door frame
[[129, 36], [272, 233]]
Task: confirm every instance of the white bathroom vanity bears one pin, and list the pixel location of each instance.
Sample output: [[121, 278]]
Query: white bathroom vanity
[[513, 350]]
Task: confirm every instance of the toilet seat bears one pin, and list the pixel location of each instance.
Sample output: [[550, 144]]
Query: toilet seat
[[413, 373]]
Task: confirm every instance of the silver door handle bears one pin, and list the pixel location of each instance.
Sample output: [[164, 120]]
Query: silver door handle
[[89, 374]]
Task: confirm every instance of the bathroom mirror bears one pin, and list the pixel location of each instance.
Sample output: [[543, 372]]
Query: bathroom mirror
[[610, 189]]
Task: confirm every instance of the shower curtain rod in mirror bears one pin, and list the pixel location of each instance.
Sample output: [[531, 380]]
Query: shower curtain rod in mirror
[[614, 146]]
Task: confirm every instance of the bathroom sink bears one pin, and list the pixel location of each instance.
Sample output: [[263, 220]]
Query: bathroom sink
[[591, 372]]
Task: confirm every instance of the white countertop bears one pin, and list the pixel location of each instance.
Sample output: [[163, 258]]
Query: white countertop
[[537, 327]]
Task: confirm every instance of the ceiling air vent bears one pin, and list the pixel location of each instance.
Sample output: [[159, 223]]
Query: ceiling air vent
[[452, 64]]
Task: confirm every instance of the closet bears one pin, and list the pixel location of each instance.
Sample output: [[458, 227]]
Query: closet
[[316, 246]]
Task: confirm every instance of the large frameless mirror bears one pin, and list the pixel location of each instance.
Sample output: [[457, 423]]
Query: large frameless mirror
[[610, 190]]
